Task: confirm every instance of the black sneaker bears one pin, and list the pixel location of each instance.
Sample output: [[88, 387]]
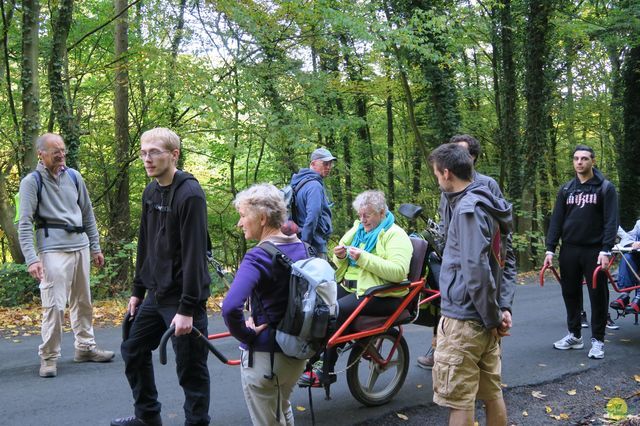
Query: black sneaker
[[621, 302], [610, 324], [135, 421], [583, 320]]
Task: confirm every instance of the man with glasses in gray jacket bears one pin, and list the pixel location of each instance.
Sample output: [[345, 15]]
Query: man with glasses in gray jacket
[[54, 199]]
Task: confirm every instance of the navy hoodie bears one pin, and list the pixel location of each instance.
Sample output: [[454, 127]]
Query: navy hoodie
[[585, 214], [313, 215]]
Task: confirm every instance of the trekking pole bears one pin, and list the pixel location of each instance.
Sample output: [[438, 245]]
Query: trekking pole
[[195, 333]]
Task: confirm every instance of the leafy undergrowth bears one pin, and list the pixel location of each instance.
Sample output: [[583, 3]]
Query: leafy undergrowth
[[576, 399], [24, 321]]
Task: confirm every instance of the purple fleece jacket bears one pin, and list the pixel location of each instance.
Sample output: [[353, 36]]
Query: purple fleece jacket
[[254, 280]]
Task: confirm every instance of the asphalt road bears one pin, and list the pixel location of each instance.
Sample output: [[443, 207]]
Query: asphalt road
[[92, 394]]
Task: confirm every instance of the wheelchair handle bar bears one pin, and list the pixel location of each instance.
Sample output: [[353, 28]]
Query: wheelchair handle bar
[[195, 334]]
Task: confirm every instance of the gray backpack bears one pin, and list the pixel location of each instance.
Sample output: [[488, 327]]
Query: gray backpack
[[312, 306]]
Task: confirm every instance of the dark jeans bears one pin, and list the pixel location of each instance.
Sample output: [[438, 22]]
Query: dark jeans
[[577, 262], [626, 278], [150, 323], [347, 303]]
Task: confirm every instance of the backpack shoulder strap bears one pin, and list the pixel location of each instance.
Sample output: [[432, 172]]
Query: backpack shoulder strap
[[300, 184], [275, 253], [73, 174], [38, 177]]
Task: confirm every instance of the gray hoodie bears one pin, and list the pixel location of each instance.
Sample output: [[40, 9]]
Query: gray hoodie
[[60, 202], [471, 275]]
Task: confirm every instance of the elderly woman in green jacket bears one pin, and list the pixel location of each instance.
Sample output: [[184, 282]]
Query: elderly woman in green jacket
[[374, 251]]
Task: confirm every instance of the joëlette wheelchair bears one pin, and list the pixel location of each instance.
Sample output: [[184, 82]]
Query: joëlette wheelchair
[[378, 352]]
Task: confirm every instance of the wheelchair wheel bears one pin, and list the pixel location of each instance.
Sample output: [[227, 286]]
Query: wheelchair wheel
[[373, 383]]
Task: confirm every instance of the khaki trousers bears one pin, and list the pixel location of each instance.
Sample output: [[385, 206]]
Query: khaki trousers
[[66, 280], [261, 394]]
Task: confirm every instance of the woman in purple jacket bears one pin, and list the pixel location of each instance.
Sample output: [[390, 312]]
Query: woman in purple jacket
[[262, 213]]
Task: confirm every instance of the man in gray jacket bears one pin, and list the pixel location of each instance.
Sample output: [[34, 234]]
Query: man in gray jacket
[[472, 145], [467, 361], [54, 200]]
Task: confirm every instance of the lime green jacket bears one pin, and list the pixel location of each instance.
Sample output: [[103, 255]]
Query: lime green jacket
[[389, 263]]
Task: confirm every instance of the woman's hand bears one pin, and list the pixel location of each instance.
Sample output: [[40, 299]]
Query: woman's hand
[[250, 324], [354, 253], [635, 245], [340, 252]]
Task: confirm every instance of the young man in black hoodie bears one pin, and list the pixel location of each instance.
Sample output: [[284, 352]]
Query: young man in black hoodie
[[585, 218], [171, 284]]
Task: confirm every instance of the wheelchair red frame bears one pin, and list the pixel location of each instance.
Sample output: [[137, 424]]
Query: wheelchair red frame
[[378, 341], [615, 254]]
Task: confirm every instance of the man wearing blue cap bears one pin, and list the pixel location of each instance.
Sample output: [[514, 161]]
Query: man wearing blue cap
[[312, 211]]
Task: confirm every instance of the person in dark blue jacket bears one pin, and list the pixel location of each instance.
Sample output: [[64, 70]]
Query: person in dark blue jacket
[[312, 207]]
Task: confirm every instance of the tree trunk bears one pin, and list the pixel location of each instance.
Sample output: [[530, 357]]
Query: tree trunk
[[537, 93], [391, 187], [174, 80], [511, 124], [119, 210], [29, 83], [62, 108], [630, 154]]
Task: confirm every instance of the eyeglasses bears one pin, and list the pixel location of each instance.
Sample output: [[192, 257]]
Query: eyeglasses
[[153, 154], [56, 151]]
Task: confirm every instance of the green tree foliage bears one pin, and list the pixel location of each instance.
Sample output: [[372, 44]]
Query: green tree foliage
[[253, 86]]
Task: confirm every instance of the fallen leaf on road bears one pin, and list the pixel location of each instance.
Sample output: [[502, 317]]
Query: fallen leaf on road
[[301, 408], [564, 416], [538, 394], [571, 392], [525, 414], [597, 388], [548, 409], [419, 386], [402, 416], [637, 377]]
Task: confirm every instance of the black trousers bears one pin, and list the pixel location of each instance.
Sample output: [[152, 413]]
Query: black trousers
[[150, 323], [577, 262], [347, 303]]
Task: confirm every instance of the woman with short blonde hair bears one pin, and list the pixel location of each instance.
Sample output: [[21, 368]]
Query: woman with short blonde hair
[[262, 213]]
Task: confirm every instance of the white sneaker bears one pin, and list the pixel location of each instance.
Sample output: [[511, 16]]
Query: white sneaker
[[569, 342], [597, 349]]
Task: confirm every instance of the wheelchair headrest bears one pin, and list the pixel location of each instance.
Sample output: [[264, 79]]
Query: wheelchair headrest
[[416, 267]]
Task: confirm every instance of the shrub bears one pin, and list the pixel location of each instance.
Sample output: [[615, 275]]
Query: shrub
[[17, 287]]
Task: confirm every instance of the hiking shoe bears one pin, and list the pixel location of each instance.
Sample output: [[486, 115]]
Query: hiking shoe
[[135, 421], [48, 368], [634, 306], [597, 349], [94, 355], [583, 320], [316, 379], [569, 342], [427, 360], [610, 324], [621, 302]]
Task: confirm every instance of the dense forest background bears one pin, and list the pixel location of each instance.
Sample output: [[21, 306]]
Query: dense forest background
[[252, 87]]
